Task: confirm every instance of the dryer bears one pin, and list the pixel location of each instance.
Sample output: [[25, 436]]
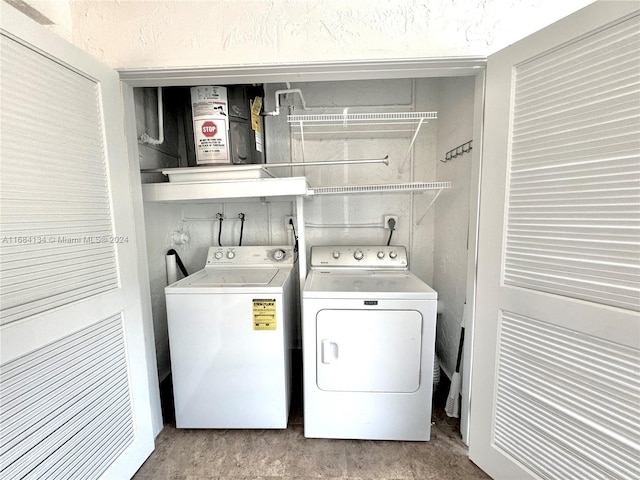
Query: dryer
[[229, 337], [368, 333]]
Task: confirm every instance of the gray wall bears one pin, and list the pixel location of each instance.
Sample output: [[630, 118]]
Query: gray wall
[[455, 127]]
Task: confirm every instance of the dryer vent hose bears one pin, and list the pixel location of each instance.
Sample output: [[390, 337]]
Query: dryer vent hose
[[172, 254]]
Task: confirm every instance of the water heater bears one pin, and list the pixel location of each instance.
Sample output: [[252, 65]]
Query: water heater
[[227, 126]]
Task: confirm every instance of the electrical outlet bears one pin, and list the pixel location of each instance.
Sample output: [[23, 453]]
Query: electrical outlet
[[287, 224], [389, 217]]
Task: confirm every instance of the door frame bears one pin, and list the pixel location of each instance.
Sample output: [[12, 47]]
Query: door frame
[[326, 71]]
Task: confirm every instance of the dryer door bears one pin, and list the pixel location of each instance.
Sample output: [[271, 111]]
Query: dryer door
[[369, 350]]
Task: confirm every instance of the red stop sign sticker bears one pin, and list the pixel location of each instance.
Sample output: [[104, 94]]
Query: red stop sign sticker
[[209, 129]]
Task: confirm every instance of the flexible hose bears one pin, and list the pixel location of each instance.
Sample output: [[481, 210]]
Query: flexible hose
[[241, 215], [220, 230], [178, 262]]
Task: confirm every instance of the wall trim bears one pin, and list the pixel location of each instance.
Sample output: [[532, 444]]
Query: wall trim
[[305, 72]]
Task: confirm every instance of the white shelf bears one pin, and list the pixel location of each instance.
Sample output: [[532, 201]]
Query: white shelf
[[216, 191], [359, 124], [362, 118], [382, 188]]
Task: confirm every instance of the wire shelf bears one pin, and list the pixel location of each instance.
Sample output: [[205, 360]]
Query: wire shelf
[[358, 125], [383, 188], [345, 119]]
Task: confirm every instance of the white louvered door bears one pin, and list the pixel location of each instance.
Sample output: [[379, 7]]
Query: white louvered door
[[556, 362], [74, 394]]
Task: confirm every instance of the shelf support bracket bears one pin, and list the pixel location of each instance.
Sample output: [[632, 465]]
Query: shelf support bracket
[[302, 138], [413, 140], [433, 200]]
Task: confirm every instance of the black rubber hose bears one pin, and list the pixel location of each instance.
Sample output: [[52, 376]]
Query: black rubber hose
[[241, 215], [392, 227], [295, 237]]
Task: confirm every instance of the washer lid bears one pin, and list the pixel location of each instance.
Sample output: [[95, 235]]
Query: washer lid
[[232, 277], [239, 280], [361, 283]]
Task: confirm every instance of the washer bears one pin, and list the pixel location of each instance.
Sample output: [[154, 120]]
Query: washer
[[229, 337], [368, 336]]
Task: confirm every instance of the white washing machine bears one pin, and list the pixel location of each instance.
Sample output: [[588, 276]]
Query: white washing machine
[[229, 337], [368, 339]]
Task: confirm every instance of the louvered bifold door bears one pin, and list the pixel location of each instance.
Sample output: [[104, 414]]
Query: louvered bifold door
[[574, 190], [55, 215], [65, 408], [556, 341], [74, 385]]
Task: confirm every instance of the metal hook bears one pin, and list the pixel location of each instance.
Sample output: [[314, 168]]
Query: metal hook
[[459, 150]]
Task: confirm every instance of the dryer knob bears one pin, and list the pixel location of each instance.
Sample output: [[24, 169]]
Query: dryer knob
[[393, 255], [231, 254], [218, 255], [278, 255], [336, 254], [380, 254], [358, 255]]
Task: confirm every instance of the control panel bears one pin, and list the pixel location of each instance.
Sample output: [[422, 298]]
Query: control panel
[[250, 256], [359, 256]]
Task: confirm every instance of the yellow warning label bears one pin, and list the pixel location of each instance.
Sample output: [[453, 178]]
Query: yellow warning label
[[264, 314], [256, 106]]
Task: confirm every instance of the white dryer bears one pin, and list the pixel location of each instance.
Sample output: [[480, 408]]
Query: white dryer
[[229, 337], [368, 339]]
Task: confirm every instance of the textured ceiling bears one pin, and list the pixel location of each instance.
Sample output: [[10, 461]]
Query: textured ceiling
[[179, 33]]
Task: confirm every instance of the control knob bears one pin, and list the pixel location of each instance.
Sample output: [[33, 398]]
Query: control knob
[[393, 254], [218, 255], [231, 254], [336, 254], [380, 254], [278, 255], [358, 255]]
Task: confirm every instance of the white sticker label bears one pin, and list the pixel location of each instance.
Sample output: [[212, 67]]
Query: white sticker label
[[211, 141]]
